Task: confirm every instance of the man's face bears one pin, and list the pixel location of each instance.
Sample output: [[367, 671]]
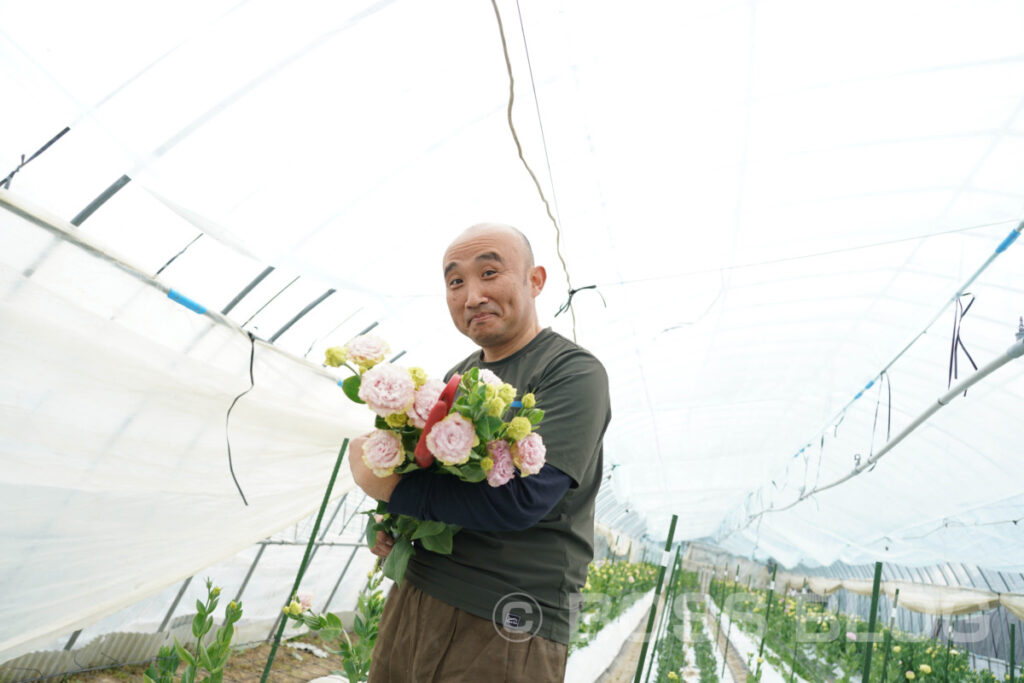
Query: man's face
[[490, 289]]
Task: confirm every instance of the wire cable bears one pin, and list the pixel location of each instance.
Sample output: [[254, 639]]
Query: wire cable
[[867, 465], [533, 176], [227, 418]]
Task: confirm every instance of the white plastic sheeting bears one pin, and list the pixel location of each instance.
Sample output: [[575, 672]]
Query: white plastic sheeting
[[773, 199], [115, 478]]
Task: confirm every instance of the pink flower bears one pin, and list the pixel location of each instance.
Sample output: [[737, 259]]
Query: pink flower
[[528, 454], [850, 635], [367, 350], [387, 389], [305, 599], [502, 470], [382, 452], [488, 377], [452, 439], [425, 398]]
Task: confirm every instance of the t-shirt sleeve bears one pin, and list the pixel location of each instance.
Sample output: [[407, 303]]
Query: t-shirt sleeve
[[517, 505], [573, 392]]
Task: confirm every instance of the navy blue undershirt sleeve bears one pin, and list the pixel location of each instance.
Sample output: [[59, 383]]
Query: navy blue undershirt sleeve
[[517, 505]]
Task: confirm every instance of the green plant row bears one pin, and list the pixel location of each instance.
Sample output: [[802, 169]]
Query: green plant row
[[611, 588], [803, 636]]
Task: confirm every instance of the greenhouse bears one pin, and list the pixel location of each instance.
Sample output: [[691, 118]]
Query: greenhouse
[[786, 229]]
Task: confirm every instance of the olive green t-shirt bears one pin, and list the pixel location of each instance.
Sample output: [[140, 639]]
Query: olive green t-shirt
[[544, 566]]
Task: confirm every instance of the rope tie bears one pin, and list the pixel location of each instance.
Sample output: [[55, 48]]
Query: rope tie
[[573, 292]]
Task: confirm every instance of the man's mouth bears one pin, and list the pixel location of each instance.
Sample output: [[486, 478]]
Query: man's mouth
[[480, 317]]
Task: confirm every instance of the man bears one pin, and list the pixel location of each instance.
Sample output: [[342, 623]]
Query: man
[[499, 607]]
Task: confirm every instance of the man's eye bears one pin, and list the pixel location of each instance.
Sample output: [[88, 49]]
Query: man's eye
[[455, 282], [489, 272]]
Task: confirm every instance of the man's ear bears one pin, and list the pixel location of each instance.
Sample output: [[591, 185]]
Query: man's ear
[[538, 276]]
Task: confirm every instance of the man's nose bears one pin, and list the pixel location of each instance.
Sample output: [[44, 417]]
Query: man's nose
[[475, 295]]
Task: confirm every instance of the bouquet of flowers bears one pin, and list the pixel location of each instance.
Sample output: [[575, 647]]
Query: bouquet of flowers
[[457, 429]]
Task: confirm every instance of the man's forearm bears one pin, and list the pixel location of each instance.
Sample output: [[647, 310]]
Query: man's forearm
[[517, 505]]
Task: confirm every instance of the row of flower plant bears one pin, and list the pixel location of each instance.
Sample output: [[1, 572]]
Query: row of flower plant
[[683, 602], [612, 587], [802, 636]]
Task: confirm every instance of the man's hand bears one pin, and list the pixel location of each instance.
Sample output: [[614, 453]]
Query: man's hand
[[382, 546], [378, 488]]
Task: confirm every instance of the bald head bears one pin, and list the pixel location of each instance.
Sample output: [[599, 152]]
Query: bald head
[[491, 284], [497, 228]]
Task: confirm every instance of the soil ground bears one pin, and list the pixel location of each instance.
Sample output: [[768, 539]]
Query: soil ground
[[244, 666]]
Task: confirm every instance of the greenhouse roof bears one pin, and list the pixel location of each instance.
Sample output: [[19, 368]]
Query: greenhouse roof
[[786, 228]]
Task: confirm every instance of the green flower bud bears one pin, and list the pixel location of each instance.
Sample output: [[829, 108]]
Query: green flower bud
[[335, 356], [518, 428]]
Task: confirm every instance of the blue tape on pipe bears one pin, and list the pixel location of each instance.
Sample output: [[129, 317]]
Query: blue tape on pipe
[[175, 295], [341, 383], [1007, 242], [869, 385], [516, 404], [859, 394]]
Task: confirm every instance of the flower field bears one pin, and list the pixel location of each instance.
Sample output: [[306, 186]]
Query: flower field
[[801, 635]]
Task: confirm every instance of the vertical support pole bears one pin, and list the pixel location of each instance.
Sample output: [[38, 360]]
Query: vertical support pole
[[666, 609], [305, 559], [252, 568], [721, 600], [767, 617], [872, 617], [71, 641], [174, 605], [728, 630], [654, 604], [1013, 651], [338, 583], [888, 635], [949, 646], [792, 662]]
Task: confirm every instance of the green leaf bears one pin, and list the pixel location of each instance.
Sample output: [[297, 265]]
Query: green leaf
[[183, 653], [371, 532], [535, 415], [406, 525], [197, 624], [398, 560], [380, 423], [204, 657], [439, 543], [428, 528], [200, 607], [351, 388], [359, 626], [407, 467], [333, 621], [472, 472]]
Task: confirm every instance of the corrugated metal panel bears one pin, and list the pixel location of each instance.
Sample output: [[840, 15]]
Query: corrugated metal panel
[[118, 649]]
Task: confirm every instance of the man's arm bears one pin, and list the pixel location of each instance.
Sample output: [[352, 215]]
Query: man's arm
[[378, 488], [515, 506]]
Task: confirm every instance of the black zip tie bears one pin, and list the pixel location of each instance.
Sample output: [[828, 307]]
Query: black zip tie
[[959, 312], [572, 292], [6, 182], [175, 257], [227, 418], [874, 423], [821, 454]]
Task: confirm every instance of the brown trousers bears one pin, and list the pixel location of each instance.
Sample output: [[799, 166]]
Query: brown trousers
[[424, 640]]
